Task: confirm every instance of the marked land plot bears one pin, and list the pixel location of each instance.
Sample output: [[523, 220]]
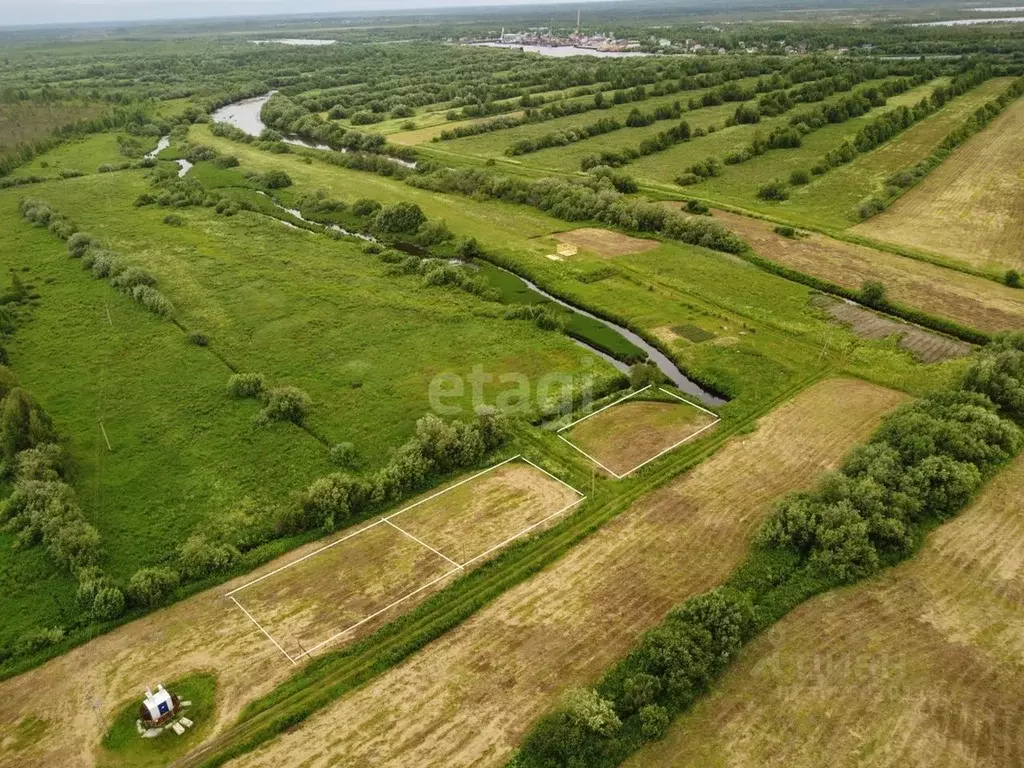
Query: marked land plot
[[357, 579], [630, 433]]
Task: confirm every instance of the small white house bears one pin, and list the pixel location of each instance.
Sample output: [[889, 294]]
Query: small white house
[[158, 707]]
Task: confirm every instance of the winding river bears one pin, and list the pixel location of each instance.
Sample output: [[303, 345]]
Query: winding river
[[245, 115]]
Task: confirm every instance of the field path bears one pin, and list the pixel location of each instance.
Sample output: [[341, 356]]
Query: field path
[[468, 698], [971, 207], [922, 666]]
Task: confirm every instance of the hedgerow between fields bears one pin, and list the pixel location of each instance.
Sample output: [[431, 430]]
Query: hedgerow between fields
[[920, 468]]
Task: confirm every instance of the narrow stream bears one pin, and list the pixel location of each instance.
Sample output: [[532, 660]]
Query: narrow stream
[[184, 166], [660, 359], [245, 115]]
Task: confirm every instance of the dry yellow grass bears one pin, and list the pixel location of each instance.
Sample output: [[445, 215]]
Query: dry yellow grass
[[628, 434], [468, 698], [971, 301], [971, 207], [921, 667], [604, 242], [318, 599], [77, 694]]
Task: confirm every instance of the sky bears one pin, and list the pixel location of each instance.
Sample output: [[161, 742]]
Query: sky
[[17, 12]]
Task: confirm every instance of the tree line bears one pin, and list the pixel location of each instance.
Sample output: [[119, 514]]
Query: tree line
[[922, 466]]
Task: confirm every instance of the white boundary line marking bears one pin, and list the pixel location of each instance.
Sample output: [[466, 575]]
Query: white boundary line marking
[[453, 487], [261, 629], [371, 525], [306, 557], [387, 521], [443, 576], [661, 453], [526, 530], [605, 408], [578, 493], [374, 615], [423, 543], [575, 447], [690, 402]]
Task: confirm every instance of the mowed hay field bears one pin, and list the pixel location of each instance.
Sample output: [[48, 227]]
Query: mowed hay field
[[629, 434], [323, 599], [918, 667], [971, 207], [971, 301], [76, 695], [468, 698]]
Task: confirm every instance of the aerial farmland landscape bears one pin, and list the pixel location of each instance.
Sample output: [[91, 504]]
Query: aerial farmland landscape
[[424, 384]]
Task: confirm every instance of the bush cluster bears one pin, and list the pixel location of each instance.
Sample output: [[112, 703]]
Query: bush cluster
[[578, 200], [437, 448], [131, 281]]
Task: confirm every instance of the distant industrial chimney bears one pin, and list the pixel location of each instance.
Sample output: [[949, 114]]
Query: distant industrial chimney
[[577, 22]]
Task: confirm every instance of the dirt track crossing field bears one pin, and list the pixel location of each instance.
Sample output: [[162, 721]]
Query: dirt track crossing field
[[971, 301], [921, 667], [971, 207], [77, 693], [467, 699]]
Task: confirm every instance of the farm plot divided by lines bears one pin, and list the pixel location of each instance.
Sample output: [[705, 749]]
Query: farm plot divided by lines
[[329, 594], [624, 436]]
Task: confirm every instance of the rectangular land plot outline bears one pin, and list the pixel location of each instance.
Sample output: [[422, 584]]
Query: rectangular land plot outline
[[387, 521], [661, 453]]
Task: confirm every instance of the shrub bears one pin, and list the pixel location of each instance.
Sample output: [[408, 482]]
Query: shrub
[[246, 385], [870, 207], [226, 161], [773, 191], [872, 293], [37, 640], [644, 374], [198, 339], [399, 218], [151, 586], [109, 604], [275, 179], [688, 179], [653, 722], [131, 278], [365, 207], [45, 462], [174, 220], [786, 231], [344, 455], [198, 557], [153, 300], [697, 208], [23, 424], [1012, 278], [79, 243], [70, 173], [286, 404], [800, 176]]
